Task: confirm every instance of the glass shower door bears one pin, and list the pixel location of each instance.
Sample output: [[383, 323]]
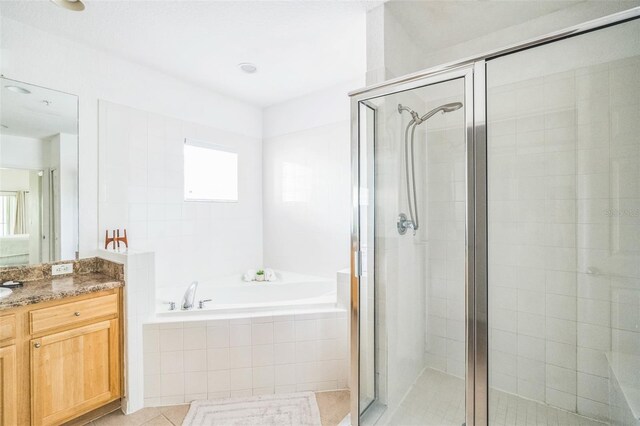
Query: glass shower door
[[411, 244], [564, 230]]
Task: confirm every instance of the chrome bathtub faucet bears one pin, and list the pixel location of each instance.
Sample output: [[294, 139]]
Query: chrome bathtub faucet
[[202, 302], [189, 297]]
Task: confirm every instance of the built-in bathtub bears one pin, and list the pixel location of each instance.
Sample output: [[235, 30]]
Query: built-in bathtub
[[253, 338], [290, 293]]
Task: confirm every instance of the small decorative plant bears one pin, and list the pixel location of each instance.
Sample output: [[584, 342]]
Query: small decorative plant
[[260, 275]]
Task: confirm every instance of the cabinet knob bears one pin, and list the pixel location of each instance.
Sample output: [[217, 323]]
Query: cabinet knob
[[36, 345], [76, 314]]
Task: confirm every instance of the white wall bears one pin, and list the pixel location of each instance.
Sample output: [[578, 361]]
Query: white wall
[[19, 152], [141, 189], [64, 158], [14, 180], [306, 182], [31, 55]]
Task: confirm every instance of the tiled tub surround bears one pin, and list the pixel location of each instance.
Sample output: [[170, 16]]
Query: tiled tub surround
[[255, 355], [563, 154]]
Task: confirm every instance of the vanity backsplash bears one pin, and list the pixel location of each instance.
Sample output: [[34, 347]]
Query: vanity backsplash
[[81, 266]]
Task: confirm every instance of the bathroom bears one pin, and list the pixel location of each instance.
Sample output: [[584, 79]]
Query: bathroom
[[320, 228]]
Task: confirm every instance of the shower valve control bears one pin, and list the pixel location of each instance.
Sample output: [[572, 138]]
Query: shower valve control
[[404, 223]]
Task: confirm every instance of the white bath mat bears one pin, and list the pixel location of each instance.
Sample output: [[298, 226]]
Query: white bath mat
[[293, 409]]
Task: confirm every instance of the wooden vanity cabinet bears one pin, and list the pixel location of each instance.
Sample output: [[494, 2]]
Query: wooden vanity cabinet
[[8, 386], [66, 359], [8, 371]]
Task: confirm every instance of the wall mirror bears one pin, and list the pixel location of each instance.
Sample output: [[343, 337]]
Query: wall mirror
[[38, 174]]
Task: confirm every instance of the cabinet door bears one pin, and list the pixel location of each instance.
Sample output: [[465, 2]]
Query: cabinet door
[[74, 372], [8, 386]]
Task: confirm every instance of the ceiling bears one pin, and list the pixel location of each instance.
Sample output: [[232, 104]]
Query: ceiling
[[429, 23], [298, 46], [28, 116]]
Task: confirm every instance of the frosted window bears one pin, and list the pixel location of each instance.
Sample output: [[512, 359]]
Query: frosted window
[[210, 174]]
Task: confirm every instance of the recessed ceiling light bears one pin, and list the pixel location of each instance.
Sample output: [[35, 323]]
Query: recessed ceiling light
[[18, 89], [248, 67], [75, 5]]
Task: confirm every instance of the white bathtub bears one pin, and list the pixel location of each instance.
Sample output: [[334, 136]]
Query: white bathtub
[[231, 297], [253, 338]]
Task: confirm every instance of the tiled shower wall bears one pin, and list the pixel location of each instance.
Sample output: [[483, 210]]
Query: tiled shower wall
[[444, 202], [184, 361], [564, 167], [399, 268]]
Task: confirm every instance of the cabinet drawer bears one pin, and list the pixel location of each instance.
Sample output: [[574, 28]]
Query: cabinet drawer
[[7, 327], [72, 313]]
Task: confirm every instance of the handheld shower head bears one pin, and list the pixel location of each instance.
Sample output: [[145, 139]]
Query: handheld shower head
[[412, 222], [454, 106]]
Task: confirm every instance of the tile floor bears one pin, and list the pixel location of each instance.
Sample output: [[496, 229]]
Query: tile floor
[[333, 405], [438, 399]]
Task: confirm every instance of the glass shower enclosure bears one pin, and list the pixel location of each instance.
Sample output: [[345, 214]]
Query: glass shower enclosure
[[496, 237]]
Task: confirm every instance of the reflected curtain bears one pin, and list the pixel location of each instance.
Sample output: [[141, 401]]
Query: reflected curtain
[[21, 219]]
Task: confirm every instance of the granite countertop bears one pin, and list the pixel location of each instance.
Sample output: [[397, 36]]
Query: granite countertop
[[58, 288]]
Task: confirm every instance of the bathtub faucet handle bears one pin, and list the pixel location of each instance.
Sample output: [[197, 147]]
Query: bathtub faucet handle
[[202, 302], [172, 305]]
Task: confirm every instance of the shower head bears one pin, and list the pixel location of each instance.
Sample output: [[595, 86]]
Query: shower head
[[416, 119], [454, 106]]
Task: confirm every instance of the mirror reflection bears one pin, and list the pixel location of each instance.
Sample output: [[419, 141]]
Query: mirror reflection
[[38, 174]]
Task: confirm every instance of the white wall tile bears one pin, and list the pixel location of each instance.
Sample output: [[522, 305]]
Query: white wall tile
[[593, 387], [195, 360], [239, 335], [218, 358], [194, 338], [561, 379], [262, 334], [240, 356], [171, 340], [262, 355], [195, 383], [283, 331], [561, 399], [218, 381], [218, 337], [171, 362], [240, 378], [172, 384]]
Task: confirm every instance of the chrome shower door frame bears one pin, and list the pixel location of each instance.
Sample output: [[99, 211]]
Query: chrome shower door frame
[[476, 380]]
